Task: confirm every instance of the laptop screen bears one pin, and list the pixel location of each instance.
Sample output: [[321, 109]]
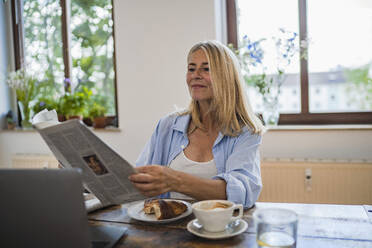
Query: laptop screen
[[42, 208]]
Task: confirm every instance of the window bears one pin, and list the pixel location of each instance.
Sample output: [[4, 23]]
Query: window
[[68, 45], [334, 83]]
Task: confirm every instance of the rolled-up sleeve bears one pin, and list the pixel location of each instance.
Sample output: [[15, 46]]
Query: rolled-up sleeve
[[242, 170]]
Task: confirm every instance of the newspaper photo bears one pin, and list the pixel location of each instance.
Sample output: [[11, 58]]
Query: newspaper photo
[[104, 172]]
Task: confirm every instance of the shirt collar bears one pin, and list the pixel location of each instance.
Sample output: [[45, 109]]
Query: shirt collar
[[181, 123], [218, 139]]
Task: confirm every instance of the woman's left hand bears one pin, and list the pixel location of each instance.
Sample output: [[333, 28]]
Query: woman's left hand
[[152, 180]]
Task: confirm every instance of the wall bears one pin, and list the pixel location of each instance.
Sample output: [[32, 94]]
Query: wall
[[152, 41], [332, 144]]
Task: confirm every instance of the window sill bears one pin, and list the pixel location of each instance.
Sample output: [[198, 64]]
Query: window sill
[[22, 130], [318, 127]]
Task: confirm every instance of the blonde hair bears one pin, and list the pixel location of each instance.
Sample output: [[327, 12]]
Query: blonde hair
[[229, 110]]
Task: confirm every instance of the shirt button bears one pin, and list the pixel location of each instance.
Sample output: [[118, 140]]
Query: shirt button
[[182, 146]]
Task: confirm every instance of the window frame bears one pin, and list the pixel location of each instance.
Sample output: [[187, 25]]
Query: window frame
[[304, 117], [17, 25]]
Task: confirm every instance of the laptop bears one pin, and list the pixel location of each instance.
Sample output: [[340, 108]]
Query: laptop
[[45, 208]]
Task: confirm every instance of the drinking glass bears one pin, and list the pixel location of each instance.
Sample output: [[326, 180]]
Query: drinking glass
[[275, 227]]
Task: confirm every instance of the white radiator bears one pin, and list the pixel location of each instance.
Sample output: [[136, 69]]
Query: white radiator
[[33, 161], [318, 181]]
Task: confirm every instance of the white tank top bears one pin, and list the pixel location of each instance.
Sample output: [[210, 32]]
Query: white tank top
[[200, 169]]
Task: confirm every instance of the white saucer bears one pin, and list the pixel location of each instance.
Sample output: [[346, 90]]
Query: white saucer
[[233, 229]]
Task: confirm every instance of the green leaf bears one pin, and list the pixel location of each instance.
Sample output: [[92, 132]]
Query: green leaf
[[86, 63]]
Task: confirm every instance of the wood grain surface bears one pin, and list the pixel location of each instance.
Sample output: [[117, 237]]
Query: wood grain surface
[[319, 225]]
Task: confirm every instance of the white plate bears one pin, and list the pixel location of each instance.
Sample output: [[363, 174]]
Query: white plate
[[233, 229], [135, 211]]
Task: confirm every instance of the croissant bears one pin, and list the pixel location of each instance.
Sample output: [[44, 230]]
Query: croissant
[[148, 207], [164, 209]]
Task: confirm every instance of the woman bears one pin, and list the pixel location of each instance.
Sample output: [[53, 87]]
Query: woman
[[211, 150]]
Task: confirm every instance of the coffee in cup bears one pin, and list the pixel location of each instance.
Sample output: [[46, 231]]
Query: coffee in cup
[[215, 215]]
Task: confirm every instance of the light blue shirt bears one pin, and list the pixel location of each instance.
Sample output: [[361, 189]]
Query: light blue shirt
[[237, 158]]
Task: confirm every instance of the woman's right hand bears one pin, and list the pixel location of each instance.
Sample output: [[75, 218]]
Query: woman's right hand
[[153, 180]]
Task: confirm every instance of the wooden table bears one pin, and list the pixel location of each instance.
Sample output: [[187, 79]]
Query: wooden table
[[320, 225]]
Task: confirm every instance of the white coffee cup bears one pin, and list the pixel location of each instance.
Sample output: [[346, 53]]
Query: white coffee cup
[[214, 215]]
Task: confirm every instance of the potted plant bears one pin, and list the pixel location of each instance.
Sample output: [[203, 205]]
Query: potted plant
[[25, 87], [44, 103], [97, 112], [9, 120], [73, 105]]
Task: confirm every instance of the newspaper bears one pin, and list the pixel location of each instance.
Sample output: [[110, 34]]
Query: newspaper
[[104, 172]]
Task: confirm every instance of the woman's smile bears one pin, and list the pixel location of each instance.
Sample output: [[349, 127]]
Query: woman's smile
[[198, 86]]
